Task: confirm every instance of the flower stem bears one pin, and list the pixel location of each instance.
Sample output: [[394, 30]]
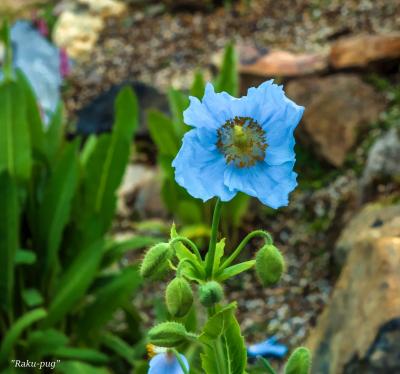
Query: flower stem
[[180, 361], [213, 239], [243, 244]]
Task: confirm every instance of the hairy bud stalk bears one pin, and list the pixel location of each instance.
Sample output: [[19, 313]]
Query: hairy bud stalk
[[155, 262]]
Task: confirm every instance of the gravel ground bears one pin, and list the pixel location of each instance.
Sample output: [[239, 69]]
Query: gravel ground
[[161, 48]]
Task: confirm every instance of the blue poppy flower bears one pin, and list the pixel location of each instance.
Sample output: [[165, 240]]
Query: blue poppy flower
[[167, 363], [244, 144], [268, 348]]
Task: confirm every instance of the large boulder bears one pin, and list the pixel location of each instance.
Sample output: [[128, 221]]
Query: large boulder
[[359, 330], [361, 50], [338, 109]]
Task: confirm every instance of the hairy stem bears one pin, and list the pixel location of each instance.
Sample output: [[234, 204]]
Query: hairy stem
[[213, 239]]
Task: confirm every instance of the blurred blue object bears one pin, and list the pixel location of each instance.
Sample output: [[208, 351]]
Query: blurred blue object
[[40, 62], [267, 348]]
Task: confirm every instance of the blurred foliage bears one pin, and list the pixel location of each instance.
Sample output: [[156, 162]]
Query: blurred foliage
[[60, 283], [167, 134]]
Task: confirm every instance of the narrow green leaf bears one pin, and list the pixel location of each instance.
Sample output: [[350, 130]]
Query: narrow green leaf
[[75, 281], [233, 270], [9, 237], [107, 300], [56, 205], [25, 257], [33, 116], [55, 132], [266, 365], [32, 297], [15, 149], [77, 367], [117, 249], [178, 103], [198, 85], [81, 354], [42, 343], [299, 362], [16, 330], [227, 79], [162, 133], [119, 346]]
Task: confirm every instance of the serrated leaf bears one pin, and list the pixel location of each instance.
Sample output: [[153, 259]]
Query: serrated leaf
[[13, 334], [9, 238], [224, 351], [106, 300], [233, 270], [15, 148], [75, 281], [227, 79]]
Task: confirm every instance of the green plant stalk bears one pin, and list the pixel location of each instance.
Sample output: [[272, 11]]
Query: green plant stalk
[[213, 239], [180, 361], [7, 65], [188, 242], [243, 244]]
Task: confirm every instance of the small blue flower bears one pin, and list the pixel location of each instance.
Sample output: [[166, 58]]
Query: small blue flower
[[268, 348], [166, 363], [244, 144]]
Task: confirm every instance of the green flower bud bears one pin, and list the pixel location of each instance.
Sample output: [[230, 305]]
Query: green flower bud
[[179, 297], [210, 293], [155, 262], [299, 362], [168, 334], [269, 265]]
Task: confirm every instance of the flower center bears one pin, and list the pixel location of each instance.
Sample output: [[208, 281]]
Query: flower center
[[242, 141]]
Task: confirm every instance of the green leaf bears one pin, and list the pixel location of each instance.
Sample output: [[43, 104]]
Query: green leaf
[[162, 133], [42, 343], [9, 238], [33, 116], [198, 85], [224, 351], [32, 297], [117, 249], [55, 208], [16, 330], [105, 167], [55, 132], [15, 149], [233, 270], [81, 354], [178, 102], [108, 299], [77, 367], [75, 281], [227, 79], [25, 257], [266, 365], [299, 362], [118, 346]]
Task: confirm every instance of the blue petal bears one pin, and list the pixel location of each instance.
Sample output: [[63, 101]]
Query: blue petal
[[164, 363], [268, 348], [199, 167], [218, 104], [280, 145], [270, 184], [197, 115]]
